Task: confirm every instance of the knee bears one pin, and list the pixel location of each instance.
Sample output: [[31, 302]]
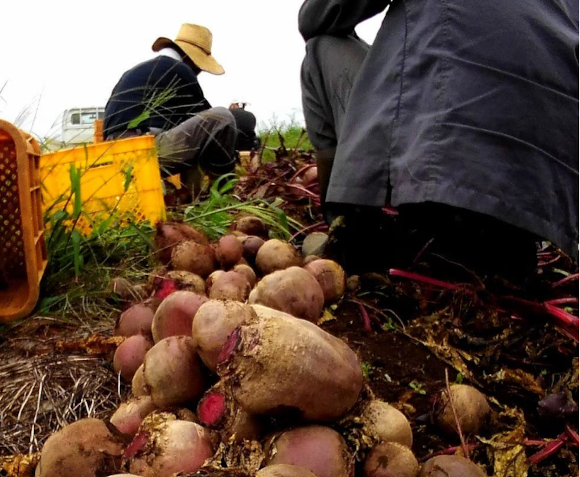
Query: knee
[[220, 114]]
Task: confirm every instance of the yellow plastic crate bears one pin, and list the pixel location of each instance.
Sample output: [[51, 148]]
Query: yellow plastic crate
[[120, 177]]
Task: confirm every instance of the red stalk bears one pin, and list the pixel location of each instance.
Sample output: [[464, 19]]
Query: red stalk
[[422, 278], [562, 301], [300, 171], [310, 227], [572, 435], [365, 317], [569, 278], [548, 450]]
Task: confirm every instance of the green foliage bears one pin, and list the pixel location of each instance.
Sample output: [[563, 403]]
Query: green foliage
[[367, 370], [216, 214], [417, 387], [285, 136]]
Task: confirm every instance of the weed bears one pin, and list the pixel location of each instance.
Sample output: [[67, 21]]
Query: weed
[[417, 387], [367, 370]]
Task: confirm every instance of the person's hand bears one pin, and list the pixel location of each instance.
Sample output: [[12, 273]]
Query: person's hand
[[238, 105]]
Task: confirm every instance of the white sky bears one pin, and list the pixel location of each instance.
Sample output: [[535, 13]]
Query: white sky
[[59, 54]]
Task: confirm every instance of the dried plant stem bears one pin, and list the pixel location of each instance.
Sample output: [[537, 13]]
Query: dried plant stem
[[459, 431]]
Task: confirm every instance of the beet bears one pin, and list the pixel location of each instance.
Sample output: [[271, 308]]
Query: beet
[[81, 449], [284, 470], [165, 447], [471, 407], [450, 466], [230, 286], [217, 412], [330, 276], [130, 354], [390, 459], [173, 372], [138, 385], [135, 320], [193, 257], [213, 323], [129, 415], [319, 449], [174, 316], [228, 251], [251, 225], [277, 255], [385, 423], [169, 234], [322, 375], [293, 291]]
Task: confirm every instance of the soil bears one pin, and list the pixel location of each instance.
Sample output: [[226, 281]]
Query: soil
[[512, 352]]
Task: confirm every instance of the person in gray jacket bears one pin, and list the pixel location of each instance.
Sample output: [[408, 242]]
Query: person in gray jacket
[[462, 115]]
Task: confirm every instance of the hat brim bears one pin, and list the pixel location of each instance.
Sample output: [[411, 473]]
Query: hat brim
[[201, 59]]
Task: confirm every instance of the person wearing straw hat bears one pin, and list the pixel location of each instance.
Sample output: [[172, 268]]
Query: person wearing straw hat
[[162, 96]]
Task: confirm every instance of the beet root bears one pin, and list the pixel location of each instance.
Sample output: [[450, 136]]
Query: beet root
[[129, 415], [293, 291], [385, 423], [330, 276], [319, 449], [277, 255], [251, 225], [135, 320], [169, 234], [217, 412], [193, 257], [470, 405], [228, 251], [390, 459], [187, 281], [284, 470], [251, 244], [174, 316], [450, 466], [246, 271], [172, 372], [81, 449], [130, 354], [322, 375], [213, 323], [164, 448], [230, 286], [138, 385]]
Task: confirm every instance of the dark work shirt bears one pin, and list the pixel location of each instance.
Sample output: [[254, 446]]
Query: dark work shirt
[[158, 93]]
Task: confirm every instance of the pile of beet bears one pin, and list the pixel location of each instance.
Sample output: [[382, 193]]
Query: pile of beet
[[231, 375]]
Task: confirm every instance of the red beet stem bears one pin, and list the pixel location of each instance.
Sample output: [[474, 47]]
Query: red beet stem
[[565, 280], [211, 408], [422, 278], [365, 317], [230, 346], [573, 435], [548, 450]]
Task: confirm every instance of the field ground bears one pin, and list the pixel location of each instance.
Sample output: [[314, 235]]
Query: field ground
[[412, 334]]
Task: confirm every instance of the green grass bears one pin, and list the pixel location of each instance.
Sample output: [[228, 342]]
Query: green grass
[[289, 136]]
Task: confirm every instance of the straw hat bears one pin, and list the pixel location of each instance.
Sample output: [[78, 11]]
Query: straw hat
[[195, 41]]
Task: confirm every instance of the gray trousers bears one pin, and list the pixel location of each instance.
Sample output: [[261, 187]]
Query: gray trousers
[[328, 73], [204, 143]]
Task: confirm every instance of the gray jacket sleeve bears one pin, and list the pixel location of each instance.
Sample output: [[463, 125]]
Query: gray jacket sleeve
[[335, 17]]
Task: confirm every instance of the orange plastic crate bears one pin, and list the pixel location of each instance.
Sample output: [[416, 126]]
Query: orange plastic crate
[[116, 177], [23, 255]]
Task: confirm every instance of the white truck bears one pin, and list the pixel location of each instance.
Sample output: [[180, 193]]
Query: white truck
[[75, 126]]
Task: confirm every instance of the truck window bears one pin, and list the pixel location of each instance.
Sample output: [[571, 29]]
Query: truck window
[[75, 118]]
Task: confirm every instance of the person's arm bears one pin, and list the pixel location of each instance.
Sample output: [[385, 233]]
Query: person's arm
[[335, 17]]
